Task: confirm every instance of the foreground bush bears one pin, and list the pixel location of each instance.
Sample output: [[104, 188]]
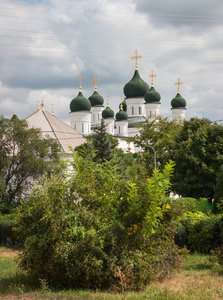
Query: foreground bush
[[7, 235], [99, 229], [199, 232]]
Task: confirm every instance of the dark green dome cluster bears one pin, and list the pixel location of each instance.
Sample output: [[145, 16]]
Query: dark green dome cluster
[[178, 101], [96, 99], [108, 113], [136, 87], [152, 96], [121, 116], [80, 103]]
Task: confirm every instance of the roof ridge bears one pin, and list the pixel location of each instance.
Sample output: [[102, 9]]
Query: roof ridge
[[53, 131]]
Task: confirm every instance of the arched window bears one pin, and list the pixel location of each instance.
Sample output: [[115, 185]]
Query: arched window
[[140, 110], [132, 110]]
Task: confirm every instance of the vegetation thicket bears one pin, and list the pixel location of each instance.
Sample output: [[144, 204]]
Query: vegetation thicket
[[102, 228], [25, 155], [111, 224]]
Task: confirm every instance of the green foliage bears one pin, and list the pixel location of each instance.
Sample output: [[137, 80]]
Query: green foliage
[[199, 232], [100, 145], [187, 204], [7, 235], [159, 134], [24, 156], [198, 155], [217, 254], [218, 193], [100, 229]]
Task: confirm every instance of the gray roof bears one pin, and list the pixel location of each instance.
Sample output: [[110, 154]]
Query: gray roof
[[53, 127]]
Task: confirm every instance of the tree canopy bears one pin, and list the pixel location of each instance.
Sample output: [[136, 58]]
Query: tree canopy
[[156, 139], [25, 155], [198, 156], [100, 145]]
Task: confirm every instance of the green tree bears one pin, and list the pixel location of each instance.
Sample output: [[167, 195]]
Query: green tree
[[24, 156], [100, 144], [158, 135], [217, 204], [198, 155]]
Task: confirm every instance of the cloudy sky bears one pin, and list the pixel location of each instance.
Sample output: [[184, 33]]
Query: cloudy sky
[[45, 45]]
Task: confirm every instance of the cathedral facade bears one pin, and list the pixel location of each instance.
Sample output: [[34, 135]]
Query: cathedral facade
[[141, 103]]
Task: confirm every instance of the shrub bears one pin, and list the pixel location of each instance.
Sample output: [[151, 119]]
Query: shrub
[[193, 205], [7, 235], [199, 232], [99, 229]]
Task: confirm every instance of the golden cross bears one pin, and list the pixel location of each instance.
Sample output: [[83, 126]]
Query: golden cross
[[52, 104], [42, 104], [95, 80], [136, 57], [178, 83], [121, 105], [107, 100], [80, 88], [152, 76], [37, 102]]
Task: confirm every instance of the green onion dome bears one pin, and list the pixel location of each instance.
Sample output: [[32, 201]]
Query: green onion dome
[[96, 99], [152, 96], [14, 117], [124, 105], [108, 113], [178, 102], [121, 116], [136, 87], [80, 103]]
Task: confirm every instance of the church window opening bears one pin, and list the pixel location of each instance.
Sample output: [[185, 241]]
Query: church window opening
[[82, 128], [119, 129], [132, 110], [140, 110]]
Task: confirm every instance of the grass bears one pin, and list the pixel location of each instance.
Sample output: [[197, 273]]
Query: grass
[[195, 281]]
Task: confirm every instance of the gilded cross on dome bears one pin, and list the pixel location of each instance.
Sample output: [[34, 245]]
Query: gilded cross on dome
[[107, 100], [152, 76], [121, 105], [37, 102], [178, 83], [52, 104], [136, 57], [95, 80], [80, 87], [42, 105]]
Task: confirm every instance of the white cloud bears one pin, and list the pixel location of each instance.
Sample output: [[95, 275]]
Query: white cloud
[[58, 41]]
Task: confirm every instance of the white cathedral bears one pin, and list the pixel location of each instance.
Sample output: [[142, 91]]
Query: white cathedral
[[141, 103]]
